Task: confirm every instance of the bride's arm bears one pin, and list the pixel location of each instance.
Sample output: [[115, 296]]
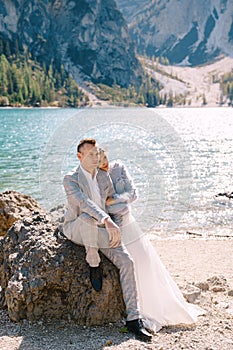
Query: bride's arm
[[126, 191]]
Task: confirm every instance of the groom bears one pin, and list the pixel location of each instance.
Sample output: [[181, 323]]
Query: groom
[[87, 223]]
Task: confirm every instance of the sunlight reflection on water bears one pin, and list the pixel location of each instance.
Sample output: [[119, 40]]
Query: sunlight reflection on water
[[179, 159]]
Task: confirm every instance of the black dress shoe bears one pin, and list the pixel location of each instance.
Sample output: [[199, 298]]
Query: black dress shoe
[[136, 327], [96, 278]]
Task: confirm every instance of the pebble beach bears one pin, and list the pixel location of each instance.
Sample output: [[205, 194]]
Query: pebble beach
[[204, 264]]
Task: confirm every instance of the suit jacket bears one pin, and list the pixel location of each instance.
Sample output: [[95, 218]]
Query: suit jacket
[[125, 190], [79, 196], [122, 182]]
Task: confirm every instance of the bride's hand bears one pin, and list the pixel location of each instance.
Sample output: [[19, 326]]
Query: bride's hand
[[110, 201], [113, 232]]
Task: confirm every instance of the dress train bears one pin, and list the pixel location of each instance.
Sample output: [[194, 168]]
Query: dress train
[[161, 301]]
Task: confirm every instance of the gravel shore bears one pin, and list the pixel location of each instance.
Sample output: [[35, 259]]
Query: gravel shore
[[190, 261]]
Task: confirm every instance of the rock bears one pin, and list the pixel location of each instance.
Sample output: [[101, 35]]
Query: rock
[[203, 286], [230, 312], [223, 305], [15, 206], [230, 293], [217, 289], [43, 275], [217, 284], [58, 215], [191, 293], [229, 195]]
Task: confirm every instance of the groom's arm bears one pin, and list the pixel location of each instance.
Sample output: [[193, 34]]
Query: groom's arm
[[77, 198]]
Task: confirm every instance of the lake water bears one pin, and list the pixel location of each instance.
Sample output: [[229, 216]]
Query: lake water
[[179, 159]]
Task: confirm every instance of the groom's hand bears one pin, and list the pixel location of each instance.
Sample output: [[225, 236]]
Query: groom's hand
[[113, 232]]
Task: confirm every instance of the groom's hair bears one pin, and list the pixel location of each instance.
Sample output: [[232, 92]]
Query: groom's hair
[[90, 141]]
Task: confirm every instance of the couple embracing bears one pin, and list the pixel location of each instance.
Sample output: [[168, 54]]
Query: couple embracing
[[98, 217]]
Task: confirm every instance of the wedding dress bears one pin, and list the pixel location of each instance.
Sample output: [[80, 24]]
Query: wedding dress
[[161, 301]]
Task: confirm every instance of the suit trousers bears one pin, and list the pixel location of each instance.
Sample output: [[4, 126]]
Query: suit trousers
[[85, 231], [94, 238]]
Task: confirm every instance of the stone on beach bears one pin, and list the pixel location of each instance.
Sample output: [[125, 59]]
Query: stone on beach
[[44, 275], [191, 293]]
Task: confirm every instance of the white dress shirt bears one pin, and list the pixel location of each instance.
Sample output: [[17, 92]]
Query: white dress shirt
[[94, 188]]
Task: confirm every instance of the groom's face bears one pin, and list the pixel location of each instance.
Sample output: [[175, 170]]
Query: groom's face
[[88, 157]]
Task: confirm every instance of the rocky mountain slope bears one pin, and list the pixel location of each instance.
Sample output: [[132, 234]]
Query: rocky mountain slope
[[186, 32], [89, 37], [195, 85], [131, 9], [92, 39]]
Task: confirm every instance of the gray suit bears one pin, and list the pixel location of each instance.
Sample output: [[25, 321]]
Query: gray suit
[[83, 226]]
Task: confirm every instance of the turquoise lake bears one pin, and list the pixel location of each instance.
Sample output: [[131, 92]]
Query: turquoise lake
[[180, 158]]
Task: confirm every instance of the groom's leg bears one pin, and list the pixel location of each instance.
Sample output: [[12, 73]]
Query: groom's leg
[[84, 232], [122, 260]]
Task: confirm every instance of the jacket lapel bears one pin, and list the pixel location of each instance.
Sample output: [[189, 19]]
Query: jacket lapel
[[83, 183], [102, 182], [103, 186]]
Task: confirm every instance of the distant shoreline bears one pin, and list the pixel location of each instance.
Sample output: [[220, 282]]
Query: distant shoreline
[[115, 106]]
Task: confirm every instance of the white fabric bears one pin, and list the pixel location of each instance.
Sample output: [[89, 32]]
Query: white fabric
[[94, 187], [92, 256], [161, 301]]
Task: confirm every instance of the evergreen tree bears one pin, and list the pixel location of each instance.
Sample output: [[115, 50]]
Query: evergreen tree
[[7, 49], [1, 47], [4, 67], [170, 100]]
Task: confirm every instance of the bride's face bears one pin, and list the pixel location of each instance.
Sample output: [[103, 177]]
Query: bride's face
[[103, 161]]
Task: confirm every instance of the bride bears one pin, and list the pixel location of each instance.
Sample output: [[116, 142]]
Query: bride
[[161, 301]]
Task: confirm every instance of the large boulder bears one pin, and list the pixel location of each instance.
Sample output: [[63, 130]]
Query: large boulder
[[15, 206], [44, 275]]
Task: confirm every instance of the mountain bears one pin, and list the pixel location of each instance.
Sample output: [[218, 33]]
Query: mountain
[[90, 38], [209, 84], [131, 9], [186, 32]]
